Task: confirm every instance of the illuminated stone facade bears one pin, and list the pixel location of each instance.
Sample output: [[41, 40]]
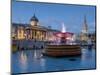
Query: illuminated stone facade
[[32, 31]]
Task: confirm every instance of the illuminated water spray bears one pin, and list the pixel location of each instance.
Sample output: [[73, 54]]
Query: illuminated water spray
[[63, 28]]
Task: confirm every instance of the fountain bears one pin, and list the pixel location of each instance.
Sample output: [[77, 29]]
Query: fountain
[[65, 47]]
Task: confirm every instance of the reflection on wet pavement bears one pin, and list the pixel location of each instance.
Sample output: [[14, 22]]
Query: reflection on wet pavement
[[34, 61]]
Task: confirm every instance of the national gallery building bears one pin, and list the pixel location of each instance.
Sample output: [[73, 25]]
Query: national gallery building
[[32, 31]]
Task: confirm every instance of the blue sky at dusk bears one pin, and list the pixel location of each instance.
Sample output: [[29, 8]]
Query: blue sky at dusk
[[54, 15]]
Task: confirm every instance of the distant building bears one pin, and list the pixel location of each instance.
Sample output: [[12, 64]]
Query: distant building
[[92, 36], [32, 31], [84, 33]]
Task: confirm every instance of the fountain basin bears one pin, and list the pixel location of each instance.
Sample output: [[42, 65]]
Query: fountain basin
[[62, 50]]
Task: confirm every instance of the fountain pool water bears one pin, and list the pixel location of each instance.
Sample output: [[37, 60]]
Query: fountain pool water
[[64, 48]]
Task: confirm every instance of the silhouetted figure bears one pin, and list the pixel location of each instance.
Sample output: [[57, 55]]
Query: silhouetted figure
[[41, 47], [63, 40], [90, 46]]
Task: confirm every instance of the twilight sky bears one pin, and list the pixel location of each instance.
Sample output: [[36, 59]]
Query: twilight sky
[[54, 15]]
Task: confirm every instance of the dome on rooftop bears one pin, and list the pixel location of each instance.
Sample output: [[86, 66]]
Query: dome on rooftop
[[34, 18]]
